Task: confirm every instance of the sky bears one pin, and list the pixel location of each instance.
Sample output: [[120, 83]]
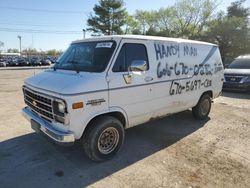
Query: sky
[[53, 24]]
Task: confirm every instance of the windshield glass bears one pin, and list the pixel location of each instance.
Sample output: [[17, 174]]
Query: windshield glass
[[87, 56], [240, 64]]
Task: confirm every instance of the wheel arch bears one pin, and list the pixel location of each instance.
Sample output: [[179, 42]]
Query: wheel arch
[[116, 112], [209, 92]]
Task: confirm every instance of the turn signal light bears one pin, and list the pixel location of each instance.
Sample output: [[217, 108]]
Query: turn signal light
[[77, 105]]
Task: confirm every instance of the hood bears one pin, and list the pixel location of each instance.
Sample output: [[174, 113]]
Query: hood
[[237, 71], [68, 82]]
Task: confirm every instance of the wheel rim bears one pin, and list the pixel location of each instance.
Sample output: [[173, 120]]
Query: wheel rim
[[205, 105], [108, 140]]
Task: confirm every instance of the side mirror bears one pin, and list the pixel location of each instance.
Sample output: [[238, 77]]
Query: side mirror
[[138, 66]]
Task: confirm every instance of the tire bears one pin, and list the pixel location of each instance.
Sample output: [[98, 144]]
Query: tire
[[202, 109], [103, 139]]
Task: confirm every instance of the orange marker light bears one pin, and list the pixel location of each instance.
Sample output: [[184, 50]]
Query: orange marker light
[[77, 105]]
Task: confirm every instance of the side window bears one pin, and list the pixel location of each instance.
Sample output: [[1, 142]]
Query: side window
[[128, 53], [120, 63]]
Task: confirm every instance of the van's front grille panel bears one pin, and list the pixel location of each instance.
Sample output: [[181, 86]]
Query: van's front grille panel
[[39, 103]]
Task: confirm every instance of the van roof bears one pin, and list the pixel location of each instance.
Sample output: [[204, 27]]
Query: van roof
[[143, 37]]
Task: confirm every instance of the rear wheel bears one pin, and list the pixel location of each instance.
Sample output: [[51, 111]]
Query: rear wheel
[[103, 138], [202, 109]]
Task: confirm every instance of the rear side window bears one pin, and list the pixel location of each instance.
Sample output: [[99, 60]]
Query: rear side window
[[128, 53]]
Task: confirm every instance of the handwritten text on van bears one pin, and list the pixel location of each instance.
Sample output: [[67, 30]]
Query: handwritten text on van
[[163, 51]]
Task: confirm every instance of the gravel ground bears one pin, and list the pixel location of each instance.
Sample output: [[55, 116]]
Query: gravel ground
[[176, 151]]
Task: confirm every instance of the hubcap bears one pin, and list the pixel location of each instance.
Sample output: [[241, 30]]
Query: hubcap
[[108, 140], [205, 105]]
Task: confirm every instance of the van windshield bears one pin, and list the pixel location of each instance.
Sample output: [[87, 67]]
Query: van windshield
[[86, 56]]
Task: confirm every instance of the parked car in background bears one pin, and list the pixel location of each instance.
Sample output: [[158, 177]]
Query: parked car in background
[[46, 62], [35, 62], [3, 64], [32, 60], [23, 62], [13, 62], [237, 75]]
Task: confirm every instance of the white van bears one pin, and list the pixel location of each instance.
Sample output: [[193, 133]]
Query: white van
[[101, 86]]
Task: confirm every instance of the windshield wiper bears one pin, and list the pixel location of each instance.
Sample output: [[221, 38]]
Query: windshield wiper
[[74, 65]]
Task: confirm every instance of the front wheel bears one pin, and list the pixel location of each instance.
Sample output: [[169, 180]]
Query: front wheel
[[103, 139], [202, 109]]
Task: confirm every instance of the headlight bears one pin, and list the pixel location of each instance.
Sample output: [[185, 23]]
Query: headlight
[[245, 79], [61, 107], [60, 111]]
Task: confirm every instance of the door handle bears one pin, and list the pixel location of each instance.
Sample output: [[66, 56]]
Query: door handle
[[148, 79]]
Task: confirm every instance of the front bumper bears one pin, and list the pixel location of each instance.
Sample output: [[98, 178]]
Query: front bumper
[[236, 86], [40, 125]]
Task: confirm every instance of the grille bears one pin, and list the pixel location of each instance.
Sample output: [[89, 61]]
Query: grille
[[233, 78], [39, 103]]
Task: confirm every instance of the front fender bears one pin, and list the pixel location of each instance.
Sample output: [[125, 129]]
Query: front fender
[[103, 112]]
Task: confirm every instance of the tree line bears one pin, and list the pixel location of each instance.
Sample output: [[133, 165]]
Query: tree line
[[190, 19], [33, 51]]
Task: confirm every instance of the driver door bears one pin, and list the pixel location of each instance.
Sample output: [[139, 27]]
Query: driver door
[[131, 90]]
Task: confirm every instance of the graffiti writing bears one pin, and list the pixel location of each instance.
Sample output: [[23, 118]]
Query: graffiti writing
[[190, 51], [218, 67], [177, 88], [179, 68], [163, 51]]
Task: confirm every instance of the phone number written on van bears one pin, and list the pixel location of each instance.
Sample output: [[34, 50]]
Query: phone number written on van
[[177, 88]]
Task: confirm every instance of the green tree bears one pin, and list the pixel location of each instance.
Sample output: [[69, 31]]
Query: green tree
[[186, 19], [231, 31], [30, 51], [236, 9], [12, 50], [130, 25], [53, 52], [146, 22], [166, 22], [190, 17], [110, 16]]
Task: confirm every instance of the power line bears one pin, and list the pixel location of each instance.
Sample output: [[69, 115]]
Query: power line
[[42, 10], [40, 31], [40, 25]]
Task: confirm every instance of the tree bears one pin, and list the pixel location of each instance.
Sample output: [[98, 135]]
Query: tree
[[109, 17], [54, 52], [13, 50], [166, 22], [190, 17], [231, 31], [185, 19], [236, 9], [130, 24], [30, 51]]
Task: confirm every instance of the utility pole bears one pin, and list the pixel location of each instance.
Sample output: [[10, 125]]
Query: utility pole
[[20, 43], [84, 31]]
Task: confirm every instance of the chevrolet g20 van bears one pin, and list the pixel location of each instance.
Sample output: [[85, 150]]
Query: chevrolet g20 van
[[101, 86]]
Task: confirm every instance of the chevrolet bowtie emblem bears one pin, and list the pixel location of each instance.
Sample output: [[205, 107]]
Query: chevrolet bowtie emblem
[[34, 103]]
